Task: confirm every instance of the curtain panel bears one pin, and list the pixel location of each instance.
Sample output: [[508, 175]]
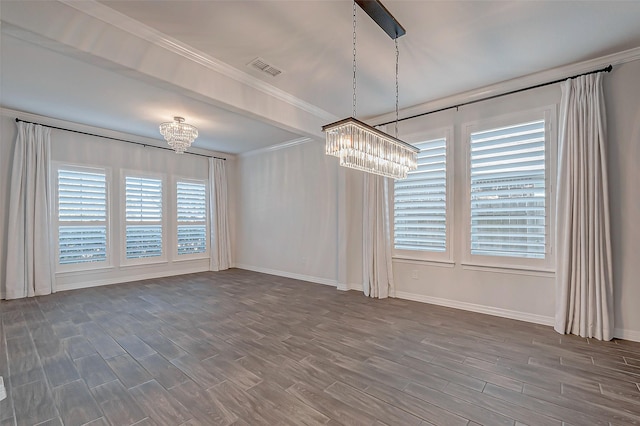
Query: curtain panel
[[30, 269], [584, 282], [376, 257], [220, 246]]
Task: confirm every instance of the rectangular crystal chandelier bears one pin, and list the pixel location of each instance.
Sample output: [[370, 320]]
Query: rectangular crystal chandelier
[[362, 147], [358, 145]]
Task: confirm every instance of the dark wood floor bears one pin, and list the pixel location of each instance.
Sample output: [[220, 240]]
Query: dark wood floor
[[244, 348]]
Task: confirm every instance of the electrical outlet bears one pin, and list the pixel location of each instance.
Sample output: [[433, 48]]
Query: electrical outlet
[[3, 392], [414, 274]]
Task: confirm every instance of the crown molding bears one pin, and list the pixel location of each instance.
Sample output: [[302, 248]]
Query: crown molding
[[518, 83], [138, 29], [283, 145]]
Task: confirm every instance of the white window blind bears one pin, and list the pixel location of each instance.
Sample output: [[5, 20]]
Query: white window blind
[[82, 217], [508, 191], [143, 215], [420, 201], [192, 217]]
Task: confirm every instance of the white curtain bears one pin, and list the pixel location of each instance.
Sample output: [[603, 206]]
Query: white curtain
[[29, 255], [218, 207], [584, 285], [376, 257]]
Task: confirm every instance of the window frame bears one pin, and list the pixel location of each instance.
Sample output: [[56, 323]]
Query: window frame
[[163, 258], [175, 223], [446, 256], [56, 223], [548, 113]]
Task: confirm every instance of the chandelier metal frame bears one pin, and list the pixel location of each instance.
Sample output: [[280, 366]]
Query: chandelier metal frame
[[358, 145]]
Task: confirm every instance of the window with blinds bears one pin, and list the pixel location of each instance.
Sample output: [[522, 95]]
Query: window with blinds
[[420, 201], [143, 216], [82, 217], [191, 217], [508, 191]]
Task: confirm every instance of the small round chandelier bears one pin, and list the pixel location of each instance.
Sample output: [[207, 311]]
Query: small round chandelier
[[178, 134]]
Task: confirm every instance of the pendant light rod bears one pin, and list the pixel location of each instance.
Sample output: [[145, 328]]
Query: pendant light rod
[[382, 17]]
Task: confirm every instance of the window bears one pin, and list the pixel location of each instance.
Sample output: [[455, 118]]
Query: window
[[191, 217], [82, 216], [508, 183], [421, 205], [143, 216]]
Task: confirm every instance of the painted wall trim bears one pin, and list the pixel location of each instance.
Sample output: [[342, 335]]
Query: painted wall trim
[[482, 309], [138, 29], [350, 286], [516, 84], [276, 147], [130, 278], [621, 333], [301, 277]]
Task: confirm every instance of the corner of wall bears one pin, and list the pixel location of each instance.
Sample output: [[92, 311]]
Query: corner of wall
[[621, 333]]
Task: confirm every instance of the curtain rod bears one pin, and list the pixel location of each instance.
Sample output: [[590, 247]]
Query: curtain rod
[[606, 69], [118, 139]]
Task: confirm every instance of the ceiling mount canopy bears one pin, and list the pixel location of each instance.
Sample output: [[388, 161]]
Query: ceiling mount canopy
[[358, 145], [382, 17], [178, 134]]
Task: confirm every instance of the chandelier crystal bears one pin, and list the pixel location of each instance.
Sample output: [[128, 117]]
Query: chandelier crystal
[[178, 134], [362, 147], [358, 145]]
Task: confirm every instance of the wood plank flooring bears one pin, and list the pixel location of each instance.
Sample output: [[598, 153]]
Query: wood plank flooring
[[243, 348]]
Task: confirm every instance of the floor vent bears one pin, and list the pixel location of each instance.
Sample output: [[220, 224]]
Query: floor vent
[[261, 65]]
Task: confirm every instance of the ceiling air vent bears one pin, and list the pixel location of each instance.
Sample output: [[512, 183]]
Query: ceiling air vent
[[261, 65]]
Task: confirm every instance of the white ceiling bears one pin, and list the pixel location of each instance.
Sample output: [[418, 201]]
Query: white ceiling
[[128, 65]]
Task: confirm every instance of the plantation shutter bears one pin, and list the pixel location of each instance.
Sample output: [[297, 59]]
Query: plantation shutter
[[508, 191], [420, 201], [143, 213], [82, 217], [192, 218]]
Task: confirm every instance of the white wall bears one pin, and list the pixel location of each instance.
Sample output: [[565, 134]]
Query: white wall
[[279, 223], [78, 149], [287, 212], [622, 94]]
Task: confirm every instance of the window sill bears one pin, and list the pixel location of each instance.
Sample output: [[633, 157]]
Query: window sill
[[66, 272], [423, 262], [508, 269], [188, 258], [142, 264]]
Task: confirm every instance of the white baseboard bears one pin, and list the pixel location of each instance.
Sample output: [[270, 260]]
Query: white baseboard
[[349, 286], [618, 333], [129, 278], [483, 309], [301, 277], [621, 333]]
